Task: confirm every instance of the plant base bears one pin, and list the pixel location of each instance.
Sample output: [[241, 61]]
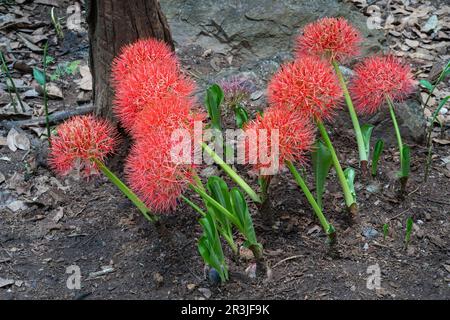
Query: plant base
[[364, 169]]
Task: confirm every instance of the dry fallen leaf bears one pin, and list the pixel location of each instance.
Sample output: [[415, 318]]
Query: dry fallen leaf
[[17, 140], [441, 141]]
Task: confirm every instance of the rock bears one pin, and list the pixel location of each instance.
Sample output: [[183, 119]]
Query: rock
[[158, 278], [17, 140], [16, 206], [254, 28], [191, 286], [431, 24], [213, 276], [410, 118], [250, 271], [6, 282], [369, 232], [205, 292]]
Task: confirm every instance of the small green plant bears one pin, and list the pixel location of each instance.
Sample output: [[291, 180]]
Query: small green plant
[[41, 78], [241, 116], [377, 151], [11, 85], [350, 177], [210, 247], [56, 24], [385, 231], [213, 100], [322, 162], [431, 87], [65, 69], [409, 227], [366, 131]]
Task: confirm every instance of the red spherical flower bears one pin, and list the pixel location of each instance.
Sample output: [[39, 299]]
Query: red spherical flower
[[78, 141], [330, 38], [379, 77], [309, 86], [147, 84], [276, 137], [166, 114], [132, 56], [156, 174]]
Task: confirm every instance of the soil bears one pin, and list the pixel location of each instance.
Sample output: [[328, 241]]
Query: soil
[[91, 225]]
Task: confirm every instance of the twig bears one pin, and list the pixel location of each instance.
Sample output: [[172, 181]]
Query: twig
[[287, 259], [53, 118]]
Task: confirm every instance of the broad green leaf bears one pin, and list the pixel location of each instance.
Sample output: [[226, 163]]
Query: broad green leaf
[[426, 84], [322, 161], [240, 209], [39, 76], [210, 248], [213, 100], [366, 131], [378, 149], [385, 230], [405, 161], [241, 116], [350, 177]]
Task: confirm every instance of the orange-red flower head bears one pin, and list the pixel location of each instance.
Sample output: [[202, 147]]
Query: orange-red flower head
[[166, 114], [276, 137], [132, 56], [79, 140], [379, 77], [155, 173], [309, 86], [145, 72], [329, 38], [146, 85]]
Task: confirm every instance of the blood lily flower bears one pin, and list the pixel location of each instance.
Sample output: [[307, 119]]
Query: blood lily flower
[[78, 141], [332, 38], [379, 80], [307, 85], [277, 139], [83, 143]]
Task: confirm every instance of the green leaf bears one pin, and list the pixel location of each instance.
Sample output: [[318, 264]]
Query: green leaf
[[385, 230], [440, 106], [49, 59], [39, 76], [409, 226], [350, 177], [241, 116], [405, 161], [240, 210], [378, 149], [366, 131], [210, 247], [72, 67], [213, 100], [426, 84], [322, 161]]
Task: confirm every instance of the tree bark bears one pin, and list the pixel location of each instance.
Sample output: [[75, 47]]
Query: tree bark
[[113, 24]]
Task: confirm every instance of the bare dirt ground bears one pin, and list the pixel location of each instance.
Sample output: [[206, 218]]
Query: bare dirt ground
[[48, 223]]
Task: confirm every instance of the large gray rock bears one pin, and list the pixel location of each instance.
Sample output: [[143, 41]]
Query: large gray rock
[[254, 28]]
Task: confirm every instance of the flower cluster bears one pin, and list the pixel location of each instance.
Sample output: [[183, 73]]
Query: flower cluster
[[78, 141], [379, 77], [154, 100], [144, 73], [236, 89]]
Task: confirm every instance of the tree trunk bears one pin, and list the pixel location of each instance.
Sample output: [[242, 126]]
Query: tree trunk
[[113, 24]]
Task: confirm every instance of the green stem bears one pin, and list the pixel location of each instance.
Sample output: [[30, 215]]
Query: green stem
[[233, 175], [8, 75], [337, 166], [47, 119], [328, 228], [394, 121], [126, 191], [353, 116], [193, 206]]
